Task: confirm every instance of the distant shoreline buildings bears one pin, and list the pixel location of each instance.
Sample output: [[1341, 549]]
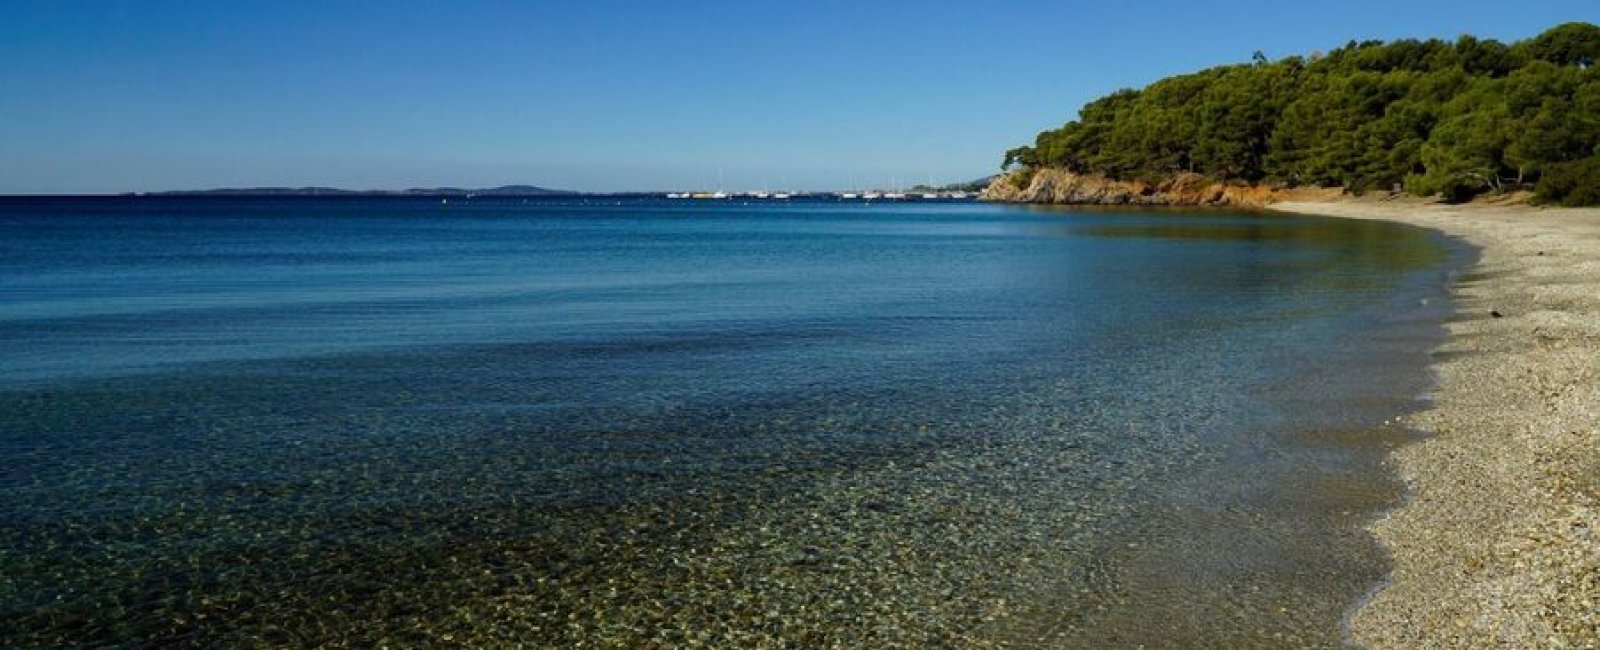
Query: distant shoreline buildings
[[941, 195]]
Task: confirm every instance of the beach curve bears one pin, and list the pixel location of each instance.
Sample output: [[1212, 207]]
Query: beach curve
[[1499, 542]]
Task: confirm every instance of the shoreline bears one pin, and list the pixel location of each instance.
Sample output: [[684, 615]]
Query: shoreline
[[1498, 542]]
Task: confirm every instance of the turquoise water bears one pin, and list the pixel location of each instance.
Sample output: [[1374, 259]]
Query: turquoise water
[[635, 422]]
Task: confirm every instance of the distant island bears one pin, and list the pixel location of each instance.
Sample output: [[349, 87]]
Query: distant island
[[1433, 118], [502, 191], [960, 191]]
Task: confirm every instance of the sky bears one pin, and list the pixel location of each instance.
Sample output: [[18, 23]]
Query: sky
[[104, 96]]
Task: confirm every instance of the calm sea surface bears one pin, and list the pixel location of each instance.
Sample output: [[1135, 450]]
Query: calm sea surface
[[642, 423]]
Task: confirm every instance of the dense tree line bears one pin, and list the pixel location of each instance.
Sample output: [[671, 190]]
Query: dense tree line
[[1434, 117]]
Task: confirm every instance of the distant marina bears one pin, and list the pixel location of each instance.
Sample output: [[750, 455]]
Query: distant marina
[[445, 195], [876, 195]]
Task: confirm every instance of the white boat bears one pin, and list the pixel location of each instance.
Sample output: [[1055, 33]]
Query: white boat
[[871, 196], [894, 196], [930, 195], [781, 195], [719, 195], [958, 195], [849, 195]]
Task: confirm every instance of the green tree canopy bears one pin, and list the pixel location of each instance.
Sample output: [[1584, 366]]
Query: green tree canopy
[[1436, 117]]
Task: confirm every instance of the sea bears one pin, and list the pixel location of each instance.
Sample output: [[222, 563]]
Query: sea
[[639, 422]]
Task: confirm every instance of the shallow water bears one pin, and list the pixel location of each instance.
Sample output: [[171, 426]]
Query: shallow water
[[273, 422]]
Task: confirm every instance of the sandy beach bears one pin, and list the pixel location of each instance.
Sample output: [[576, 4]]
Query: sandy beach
[[1498, 543]]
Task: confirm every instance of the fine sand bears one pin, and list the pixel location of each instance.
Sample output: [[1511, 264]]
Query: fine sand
[[1498, 544]]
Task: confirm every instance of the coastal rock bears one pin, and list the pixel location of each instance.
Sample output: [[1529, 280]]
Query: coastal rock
[[1059, 186]]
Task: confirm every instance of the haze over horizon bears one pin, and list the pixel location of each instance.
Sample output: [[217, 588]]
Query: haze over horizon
[[611, 96]]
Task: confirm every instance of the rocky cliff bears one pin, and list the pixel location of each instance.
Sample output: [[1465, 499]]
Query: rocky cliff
[[1061, 186]]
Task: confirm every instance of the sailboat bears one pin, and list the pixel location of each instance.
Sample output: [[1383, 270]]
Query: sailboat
[[852, 193], [894, 194], [719, 194]]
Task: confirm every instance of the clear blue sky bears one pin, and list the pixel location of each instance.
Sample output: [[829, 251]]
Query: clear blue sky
[[111, 96]]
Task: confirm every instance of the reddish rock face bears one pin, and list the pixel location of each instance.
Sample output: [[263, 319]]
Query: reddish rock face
[[1061, 186]]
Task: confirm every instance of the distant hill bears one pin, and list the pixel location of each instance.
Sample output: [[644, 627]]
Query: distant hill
[[968, 186], [504, 190]]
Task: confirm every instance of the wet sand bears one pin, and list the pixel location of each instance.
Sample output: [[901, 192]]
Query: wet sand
[[1498, 544]]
